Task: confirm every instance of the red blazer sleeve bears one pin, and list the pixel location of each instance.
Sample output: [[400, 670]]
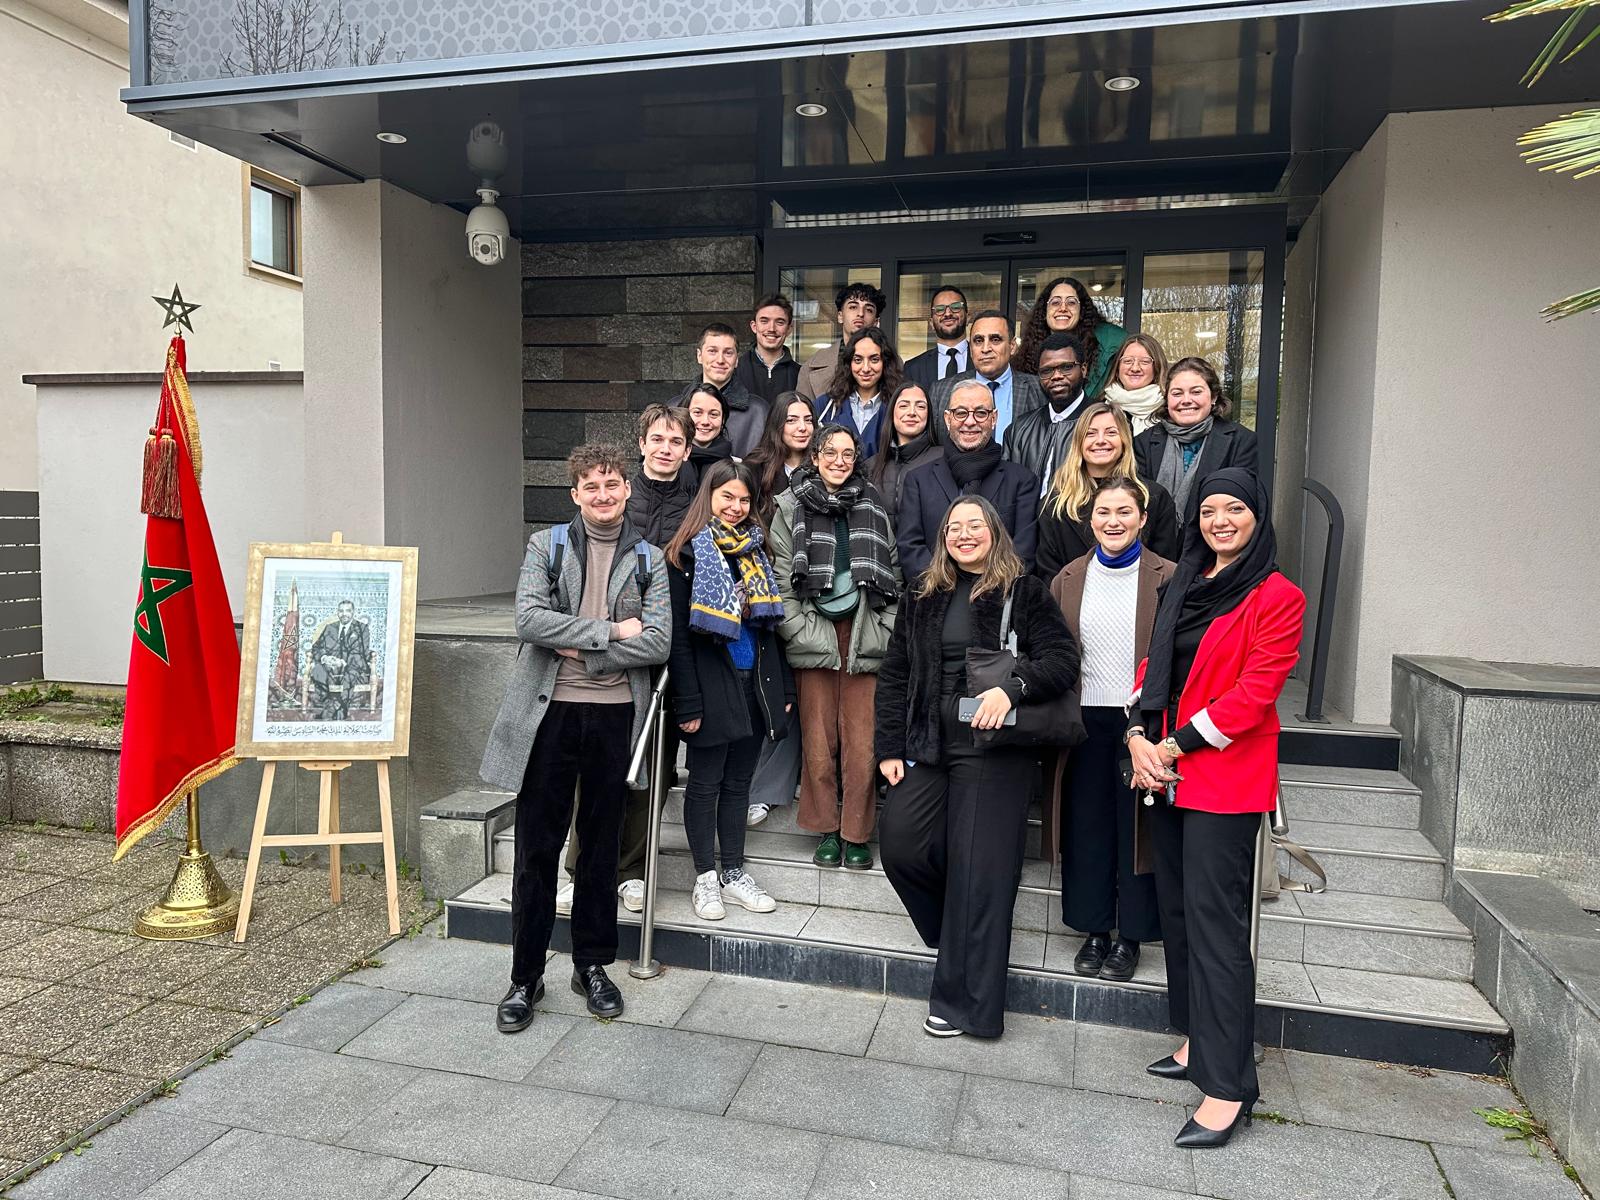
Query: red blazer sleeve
[[1273, 649]]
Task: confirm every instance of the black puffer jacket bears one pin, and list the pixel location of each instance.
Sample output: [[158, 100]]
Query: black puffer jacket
[[656, 507], [910, 678]]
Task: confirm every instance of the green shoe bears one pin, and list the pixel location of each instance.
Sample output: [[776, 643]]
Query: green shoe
[[828, 851], [857, 857]]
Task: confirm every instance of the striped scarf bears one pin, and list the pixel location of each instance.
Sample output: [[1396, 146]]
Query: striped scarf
[[871, 535], [718, 604]]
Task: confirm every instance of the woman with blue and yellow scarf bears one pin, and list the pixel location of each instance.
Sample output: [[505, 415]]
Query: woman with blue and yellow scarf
[[731, 687]]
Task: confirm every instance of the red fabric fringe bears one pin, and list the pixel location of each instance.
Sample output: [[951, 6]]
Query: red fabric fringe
[[160, 497]]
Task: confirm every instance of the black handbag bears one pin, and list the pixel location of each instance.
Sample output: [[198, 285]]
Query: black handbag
[[1057, 722]]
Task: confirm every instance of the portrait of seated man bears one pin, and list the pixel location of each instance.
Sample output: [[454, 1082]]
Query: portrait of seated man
[[340, 662]]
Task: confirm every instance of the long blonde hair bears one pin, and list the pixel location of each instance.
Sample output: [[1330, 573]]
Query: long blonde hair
[[1002, 569], [1071, 485]]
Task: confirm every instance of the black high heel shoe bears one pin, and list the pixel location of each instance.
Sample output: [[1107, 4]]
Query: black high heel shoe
[[1168, 1068], [1195, 1136]]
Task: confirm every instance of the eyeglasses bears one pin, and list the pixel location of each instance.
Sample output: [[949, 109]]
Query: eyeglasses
[[843, 456], [940, 309], [1057, 303], [1060, 369], [963, 415], [960, 527], [1130, 361]]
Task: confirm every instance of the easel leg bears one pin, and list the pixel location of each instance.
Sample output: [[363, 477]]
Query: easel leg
[[253, 867], [386, 815], [335, 851]]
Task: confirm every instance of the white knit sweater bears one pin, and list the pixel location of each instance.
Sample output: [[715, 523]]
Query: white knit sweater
[[1106, 629]]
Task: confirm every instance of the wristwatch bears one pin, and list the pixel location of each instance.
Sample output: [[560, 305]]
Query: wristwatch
[[1170, 745], [1133, 731]]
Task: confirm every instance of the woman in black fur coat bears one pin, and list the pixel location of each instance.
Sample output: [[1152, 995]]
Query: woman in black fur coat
[[956, 819]]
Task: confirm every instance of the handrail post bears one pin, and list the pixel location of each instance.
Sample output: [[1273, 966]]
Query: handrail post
[[1327, 598], [646, 966]]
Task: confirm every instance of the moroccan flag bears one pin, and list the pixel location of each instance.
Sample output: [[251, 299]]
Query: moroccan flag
[[183, 675], [286, 675]]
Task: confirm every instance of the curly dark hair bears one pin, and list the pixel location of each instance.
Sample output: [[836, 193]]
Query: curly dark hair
[[1090, 318], [604, 455], [1221, 406], [844, 382]]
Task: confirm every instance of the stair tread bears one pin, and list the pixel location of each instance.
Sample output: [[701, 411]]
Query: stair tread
[[1356, 777], [1363, 839]]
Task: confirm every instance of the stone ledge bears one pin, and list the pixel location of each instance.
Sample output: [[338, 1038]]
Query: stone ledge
[[469, 804], [100, 377], [1561, 937], [1529, 681], [53, 733]]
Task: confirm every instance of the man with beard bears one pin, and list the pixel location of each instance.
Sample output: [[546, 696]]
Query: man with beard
[[767, 368], [972, 464], [859, 305], [1015, 394], [947, 317], [1039, 440], [338, 663], [746, 414]]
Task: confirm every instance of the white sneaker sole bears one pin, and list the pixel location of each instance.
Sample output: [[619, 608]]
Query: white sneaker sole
[[708, 913], [630, 903], [765, 905], [941, 1030], [751, 822]]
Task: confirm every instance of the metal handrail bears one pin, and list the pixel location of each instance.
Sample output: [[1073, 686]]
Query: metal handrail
[[1327, 598], [654, 736]]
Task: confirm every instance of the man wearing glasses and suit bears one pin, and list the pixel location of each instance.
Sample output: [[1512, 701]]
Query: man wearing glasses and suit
[[949, 357]]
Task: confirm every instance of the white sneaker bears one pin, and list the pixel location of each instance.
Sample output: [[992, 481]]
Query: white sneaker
[[632, 893], [940, 1028], [758, 813], [564, 899], [707, 898], [746, 892]]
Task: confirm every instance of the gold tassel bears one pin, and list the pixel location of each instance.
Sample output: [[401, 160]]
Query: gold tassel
[[160, 496]]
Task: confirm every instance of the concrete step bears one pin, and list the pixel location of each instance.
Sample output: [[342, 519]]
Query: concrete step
[[1349, 796]]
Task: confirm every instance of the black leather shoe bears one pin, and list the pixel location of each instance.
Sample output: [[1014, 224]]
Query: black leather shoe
[[1195, 1136], [1120, 963], [1168, 1068], [1092, 956], [594, 985], [516, 1010]]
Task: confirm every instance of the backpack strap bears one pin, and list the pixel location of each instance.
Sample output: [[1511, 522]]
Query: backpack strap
[[641, 566], [558, 551]]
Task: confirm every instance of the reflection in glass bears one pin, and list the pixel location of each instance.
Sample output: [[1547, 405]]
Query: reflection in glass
[[912, 334], [855, 128], [1105, 279], [816, 317], [1064, 101], [1209, 304], [956, 98], [1191, 98]]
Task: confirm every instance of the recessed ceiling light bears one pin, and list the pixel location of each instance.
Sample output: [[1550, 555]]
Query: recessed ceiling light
[[1206, 335], [394, 139], [1097, 287], [811, 109], [1121, 83]]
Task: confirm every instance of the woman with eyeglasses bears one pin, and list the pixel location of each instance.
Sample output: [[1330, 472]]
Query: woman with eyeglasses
[[910, 444], [1191, 435], [869, 370], [1064, 303], [833, 552], [1134, 384], [955, 820], [782, 449]]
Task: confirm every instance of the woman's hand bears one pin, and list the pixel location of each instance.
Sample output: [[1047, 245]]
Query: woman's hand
[[993, 706], [690, 726], [893, 769], [1150, 765]]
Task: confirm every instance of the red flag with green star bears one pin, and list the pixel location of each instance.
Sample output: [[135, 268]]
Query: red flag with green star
[[183, 676]]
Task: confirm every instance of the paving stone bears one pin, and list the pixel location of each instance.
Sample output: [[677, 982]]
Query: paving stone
[[65, 902], [52, 853], [458, 1035], [1057, 1129], [56, 1016], [453, 967], [1485, 1175], [124, 1159], [331, 1017], [156, 969], [1269, 1160], [671, 1068], [16, 884], [786, 1014], [1091, 1187], [451, 1183], [13, 989], [347, 933], [155, 1041], [258, 983], [12, 1065], [45, 1106], [290, 1090], [66, 950], [1036, 1049], [1110, 1059], [644, 1153], [245, 1165], [481, 1124], [15, 930], [852, 1169], [659, 1001]]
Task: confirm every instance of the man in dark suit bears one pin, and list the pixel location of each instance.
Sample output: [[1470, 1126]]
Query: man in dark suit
[[338, 663], [972, 464], [947, 317], [1015, 394]]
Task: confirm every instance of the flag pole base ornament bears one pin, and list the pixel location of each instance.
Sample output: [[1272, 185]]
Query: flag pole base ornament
[[197, 902]]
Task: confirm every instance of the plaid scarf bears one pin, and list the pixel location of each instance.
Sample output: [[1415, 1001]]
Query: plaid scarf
[[718, 604], [871, 535]]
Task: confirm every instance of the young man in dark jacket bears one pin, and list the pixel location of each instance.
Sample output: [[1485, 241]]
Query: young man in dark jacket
[[718, 355], [767, 368], [1039, 440], [665, 483]]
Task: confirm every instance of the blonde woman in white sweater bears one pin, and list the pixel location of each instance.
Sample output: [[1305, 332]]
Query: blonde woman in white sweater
[[1108, 598]]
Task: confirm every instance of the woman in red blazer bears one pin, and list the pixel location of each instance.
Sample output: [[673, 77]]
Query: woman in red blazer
[[1226, 636]]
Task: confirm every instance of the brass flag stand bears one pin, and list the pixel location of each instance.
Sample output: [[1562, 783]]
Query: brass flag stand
[[197, 902]]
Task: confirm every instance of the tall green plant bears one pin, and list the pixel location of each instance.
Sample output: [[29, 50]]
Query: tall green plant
[[1570, 144]]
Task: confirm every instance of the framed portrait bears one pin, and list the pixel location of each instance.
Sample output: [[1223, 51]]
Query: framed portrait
[[325, 666]]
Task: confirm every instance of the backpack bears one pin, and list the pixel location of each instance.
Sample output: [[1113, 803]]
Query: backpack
[[558, 551]]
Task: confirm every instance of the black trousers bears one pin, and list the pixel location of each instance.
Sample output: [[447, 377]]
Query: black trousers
[[716, 800], [579, 754], [1205, 868], [635, 817], [1099, 890], [952, 838]]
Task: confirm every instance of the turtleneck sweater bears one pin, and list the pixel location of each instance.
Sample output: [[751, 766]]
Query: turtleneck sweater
[[574, 684], [1106, 625]]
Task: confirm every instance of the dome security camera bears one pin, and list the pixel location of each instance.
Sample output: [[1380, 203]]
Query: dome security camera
[[488, 231]]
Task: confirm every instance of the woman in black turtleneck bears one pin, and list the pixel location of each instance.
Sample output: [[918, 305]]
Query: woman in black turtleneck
[[910, 444], [955, 820], [709, 413]]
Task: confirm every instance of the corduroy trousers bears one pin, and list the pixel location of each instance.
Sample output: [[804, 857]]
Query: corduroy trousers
[[838, 777]]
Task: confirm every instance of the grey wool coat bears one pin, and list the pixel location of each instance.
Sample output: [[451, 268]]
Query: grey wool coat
[[544, 625]]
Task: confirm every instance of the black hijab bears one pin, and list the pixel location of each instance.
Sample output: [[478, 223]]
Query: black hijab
[[1190, 601]]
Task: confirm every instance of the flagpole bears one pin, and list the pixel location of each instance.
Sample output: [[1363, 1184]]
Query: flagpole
[[197, 902]]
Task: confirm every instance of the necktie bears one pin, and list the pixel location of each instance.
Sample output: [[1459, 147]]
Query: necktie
[[994, 386], [950, 367]]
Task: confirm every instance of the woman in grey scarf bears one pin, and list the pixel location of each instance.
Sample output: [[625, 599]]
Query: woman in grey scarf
[[1190, 435]]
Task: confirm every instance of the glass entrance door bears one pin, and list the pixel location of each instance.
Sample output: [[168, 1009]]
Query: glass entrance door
[[983, 284]]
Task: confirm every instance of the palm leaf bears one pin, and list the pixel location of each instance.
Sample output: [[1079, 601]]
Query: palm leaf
[[1568, 144], [1573, 305], [1533, 8]]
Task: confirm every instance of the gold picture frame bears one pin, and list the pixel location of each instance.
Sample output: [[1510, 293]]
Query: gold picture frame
[[340, 687]]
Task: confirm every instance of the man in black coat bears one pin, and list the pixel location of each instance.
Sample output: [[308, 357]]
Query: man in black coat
[[767, 369], [746, 413], [665, 484], [1039, 441], [1015, 394], [947, 317], [972, 465]]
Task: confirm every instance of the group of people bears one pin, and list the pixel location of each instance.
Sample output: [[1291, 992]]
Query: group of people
[[1010, 569]]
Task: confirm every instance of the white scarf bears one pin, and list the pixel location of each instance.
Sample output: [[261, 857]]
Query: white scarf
[[1137, 405]]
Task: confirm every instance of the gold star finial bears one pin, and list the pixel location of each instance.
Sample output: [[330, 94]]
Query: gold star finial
[[177, 310]]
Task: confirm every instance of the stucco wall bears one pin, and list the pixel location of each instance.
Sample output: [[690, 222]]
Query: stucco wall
[[1465, 470], [91, 439], [101, 211]]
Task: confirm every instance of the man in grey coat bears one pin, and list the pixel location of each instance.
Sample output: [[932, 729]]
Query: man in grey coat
[[1016, 394], [594, 616]]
